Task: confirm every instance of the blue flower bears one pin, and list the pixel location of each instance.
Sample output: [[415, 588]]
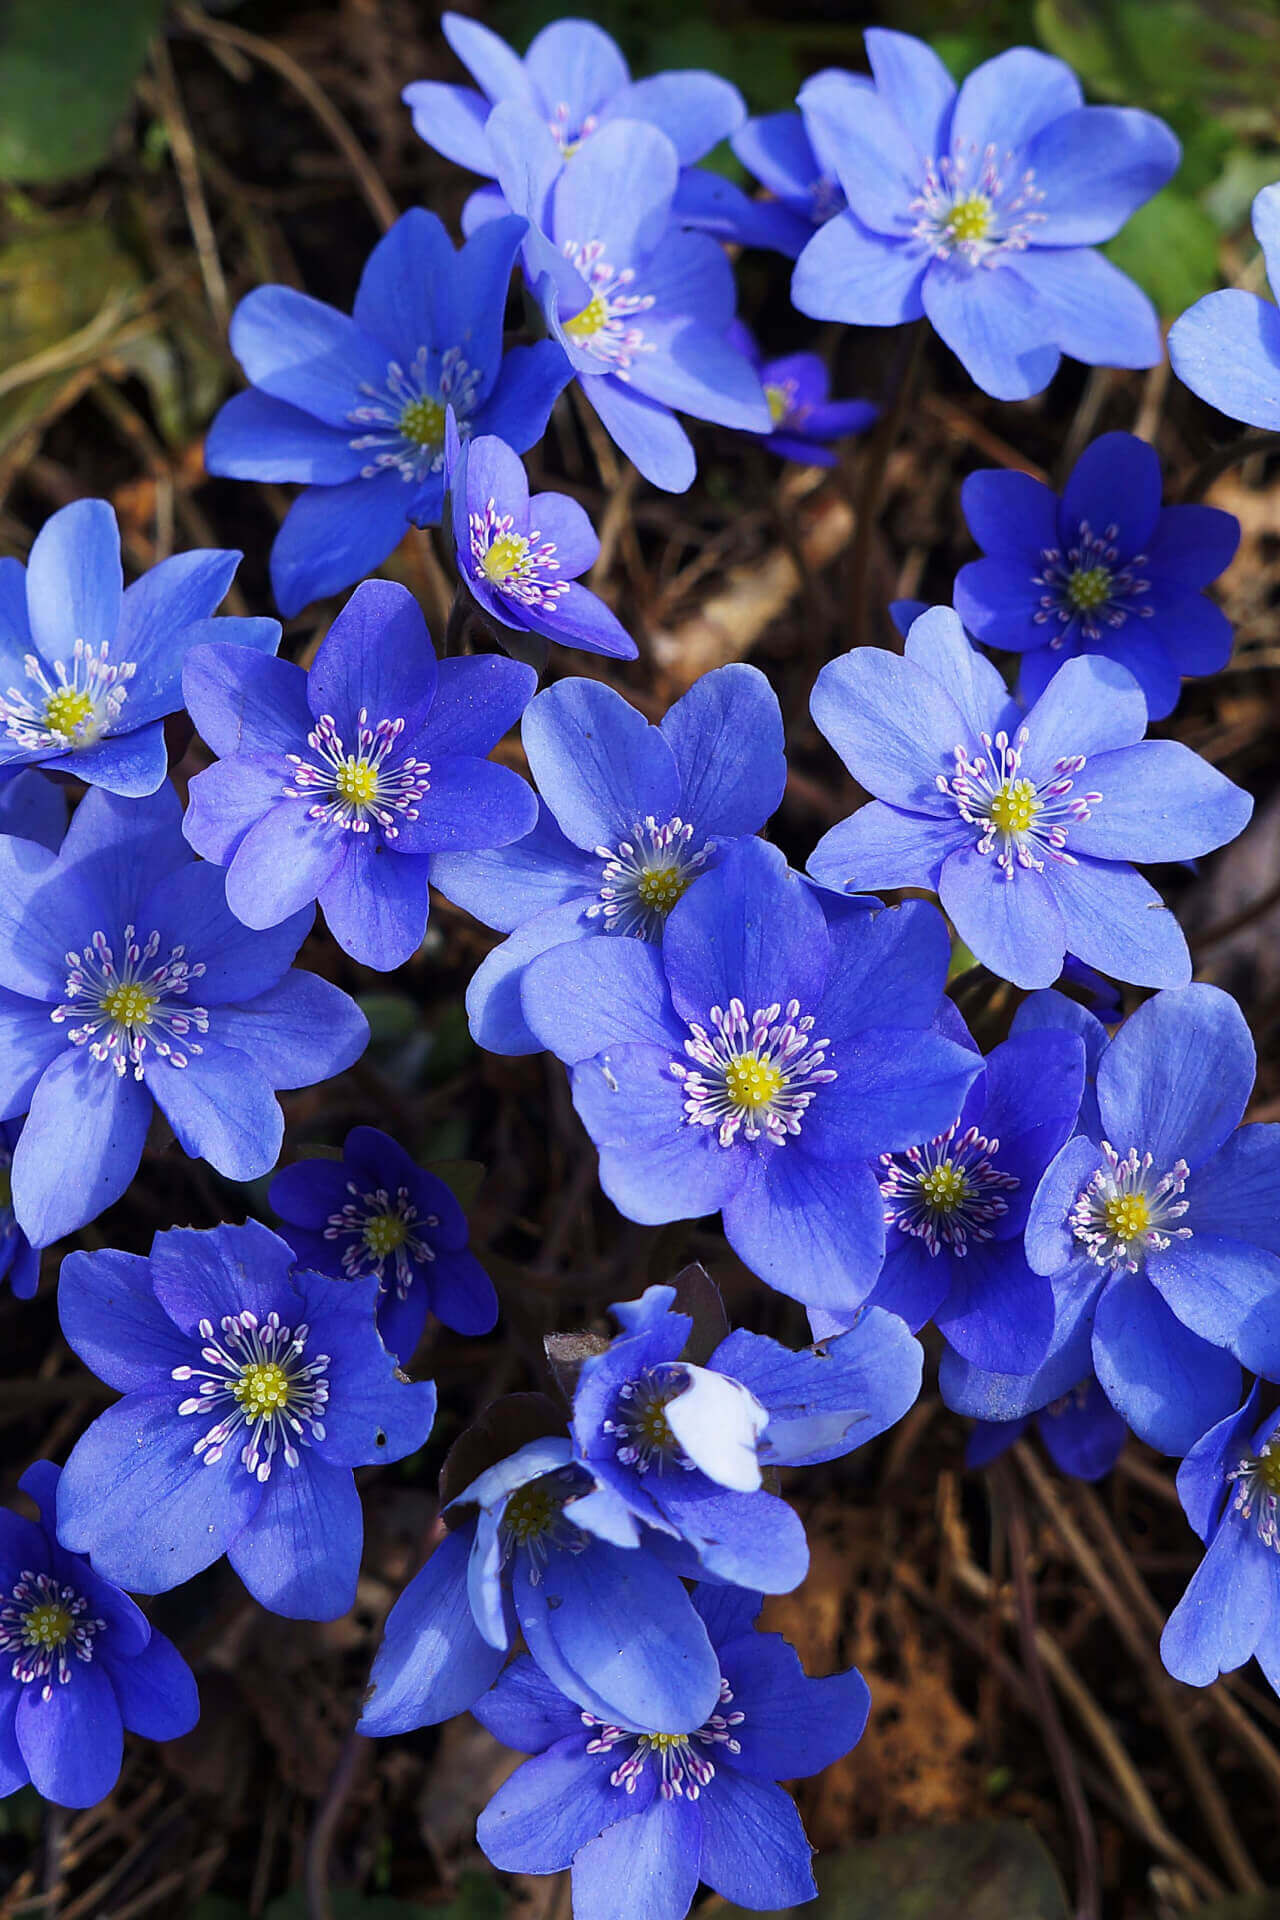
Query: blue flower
[[607, 1622], [1104, 569], [126, 982], [955, 1207], [1158, 1226], [377, 1212], [251, 1389], [1226, 347], [88, 667], [631, 1807], [355, 407], [640, 306], [630, 816], [805, 419], [992, 806], [520, 558], [796, 160], [756, 1064], [684, 1446], [1081, 1430], [1229, 1485], [982, 209], [78, 1663], [19, 1260], [341, 784]]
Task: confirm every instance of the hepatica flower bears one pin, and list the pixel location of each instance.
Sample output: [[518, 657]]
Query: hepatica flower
[[610, 1624], [78, 1663], [251, 1389], [1104, 569], [756, 1063], [355, 407], [805, 419], [1226, 347], [1081, 1431], [1023, 822], [376, 1212], [520, 558], [630, 1805], [126, 983], [795, 158], [88, 667], [981, 210], [1159, 1229], [640, 306], [685, 1446], [341, 784], [630, 817]]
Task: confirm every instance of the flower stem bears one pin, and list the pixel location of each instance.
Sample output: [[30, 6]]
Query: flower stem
[[868, 501]]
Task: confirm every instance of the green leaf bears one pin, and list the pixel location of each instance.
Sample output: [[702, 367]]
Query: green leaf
[[67, 70], [992, 1870], [1170, 246]]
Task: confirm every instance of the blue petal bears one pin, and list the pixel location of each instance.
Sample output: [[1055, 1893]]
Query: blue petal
[[496, 69], [576, 64], [600, 767], [1006, 101], [1177, 1077], [879, 166], [878, 846], [912, 79], [72, 1742], [1202, 1477], [155, 1691], [726, 735], [913, 1284], [244, 702], [377, 657], [1083, 1437], [1226, 1610], [654, 1854], [936, 640], [654, 1166], [750, 930], [133, 765], [432, 1663], [221, 1109], [792, 1726], [111, 1317], [648, 433], [1011, 515], [281, 863], [1050, 1244], [1011, 922], [80, 1146], [1226, 1291], [1160, 801], [748, 1539], [888, 969], [505, 887], [452, 120], [1237, 1191], [209, 1276], [1089, 308], [600, 993], [695, 110], [1116, 922], [254, 437], [551, 1807], [775, 147], [333, 536], [476, 702], [495, 1011], [1115, 483], [754, 1847], [892, 724], [618, 192], [405, 286], [306, 353], [810, 1229], [1227, 349], [158, 609], [994, 324], [1093, 168], [300, 1553], [998, 1315], [846, 272], [1192, 545], [375, 903], [189, 909], [896, 1086], [298, 1032], [826, 1402], [75, 587], [1169, 1384], [34, 808], [374, 1416], [524, 1711], [1069, 1361]]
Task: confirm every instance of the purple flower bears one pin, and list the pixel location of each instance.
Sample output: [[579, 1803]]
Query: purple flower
[[805, 419], [641, 307], [1105, 569], [1226, 347], [518, 1558], [377, 1212], [793, 156], [89, 668], [1024, 823], [756, 1064], [355, 407], [630, 817], [633, 1805], [126, 983], [251, 1389], [981, 210], [341, 784], [520, 558], [684, 1446], [78, 1663], [1081, 1430]]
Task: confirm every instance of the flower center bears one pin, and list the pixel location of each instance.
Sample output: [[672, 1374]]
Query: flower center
[[44, 1626], [948, 1191], [377, 1227], [684, 1771], [1088, 585], [754, 1076], [358, 791], [532, 1512], [644, 876], [605, 328], [405, 417], [71, 710], [255, 1379], [566, 136], [507, 555], [969, 219], [517, 564], [976, 204], [384, 1233], [1257, 1495], [1126, 1211], [1018, 819], [779, 399], [533, 1518], [585, 325], [123, 1007], [639, 1424], [422, 422]]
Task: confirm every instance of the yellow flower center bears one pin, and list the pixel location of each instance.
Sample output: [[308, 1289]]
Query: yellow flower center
[[531, 1512], [664, 1742], [129, 1005], [660, 887], [1089, 587], [423, 422], [1128, 1215], [67, 709], [777, 398], [751, 1082], [945, 1188], [262, 1388], [1269, 1472], [589, 322], [384, 1232], [47, 1626], [970, 219], [505, 556], [356, 782], [1014, 806]]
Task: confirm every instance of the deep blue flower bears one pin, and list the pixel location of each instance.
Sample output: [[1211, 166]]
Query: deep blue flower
[[630, 816], [34, 808], [1226, 347], [79, 1663], [520, 558], [684, 1446], [88, 667], [377, 1212], [341, 784], [992, 806], [640, 306], [805, 419], [1081, 1430], [1229, 1485], [631, 1808], [127, 983], [251, 1389], [19, 1260], [1102, 569], [1159, 1226], [981, 209], [607, 1621], [795, 158], [355, 407], [756, 1064]]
